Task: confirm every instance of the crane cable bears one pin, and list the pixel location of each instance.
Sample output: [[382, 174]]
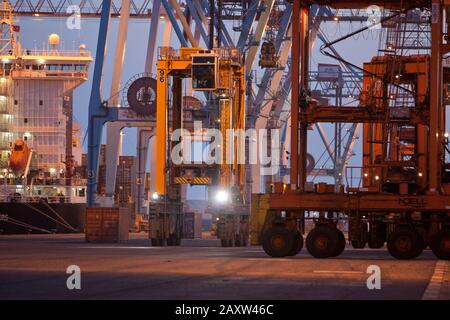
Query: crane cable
[[24, 225], [331, 55]]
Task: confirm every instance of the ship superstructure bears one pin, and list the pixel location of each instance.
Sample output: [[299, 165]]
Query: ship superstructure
[[36, 87]]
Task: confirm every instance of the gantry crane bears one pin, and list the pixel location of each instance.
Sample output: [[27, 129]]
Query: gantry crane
[[404, 195], [219, 73]]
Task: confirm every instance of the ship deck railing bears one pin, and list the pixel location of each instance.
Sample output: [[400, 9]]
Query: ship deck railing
[[38, 199], [54, 52], [49, 74]]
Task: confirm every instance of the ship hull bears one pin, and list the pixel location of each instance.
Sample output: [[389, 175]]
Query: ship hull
[[40, 218]]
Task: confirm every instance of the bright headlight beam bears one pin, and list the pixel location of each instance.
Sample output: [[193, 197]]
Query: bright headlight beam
[[222, 196]]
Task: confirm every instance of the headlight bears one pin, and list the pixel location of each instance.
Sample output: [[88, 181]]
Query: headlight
[[155, 196], [222, 196]]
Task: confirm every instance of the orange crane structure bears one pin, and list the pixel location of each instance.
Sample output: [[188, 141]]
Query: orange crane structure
[[220, 72], [403, 198]]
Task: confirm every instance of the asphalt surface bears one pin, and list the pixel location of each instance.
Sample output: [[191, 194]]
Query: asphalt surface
[[34, 267]]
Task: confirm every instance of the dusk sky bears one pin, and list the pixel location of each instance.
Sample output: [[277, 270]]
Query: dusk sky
[[34, 33]]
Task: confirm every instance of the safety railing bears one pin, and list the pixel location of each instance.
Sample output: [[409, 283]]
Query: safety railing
[[230, 53], [54, 52], [363, 178], [49, 74]]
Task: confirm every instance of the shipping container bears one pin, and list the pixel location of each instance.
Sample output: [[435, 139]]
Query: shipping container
[[107, 225]]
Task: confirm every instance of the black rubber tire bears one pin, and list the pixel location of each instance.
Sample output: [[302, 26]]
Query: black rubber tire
[[322, 242], [440, 245], [224, 242], [421, 246], [172, 240], [358, 244], [278, 241], [340, 243], [405, 243], [298, 244], [156, 242], [374, 243]]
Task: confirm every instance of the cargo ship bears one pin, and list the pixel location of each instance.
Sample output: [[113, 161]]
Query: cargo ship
[[42, 189]]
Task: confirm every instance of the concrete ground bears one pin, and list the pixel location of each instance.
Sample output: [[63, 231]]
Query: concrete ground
[[34, 267]]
